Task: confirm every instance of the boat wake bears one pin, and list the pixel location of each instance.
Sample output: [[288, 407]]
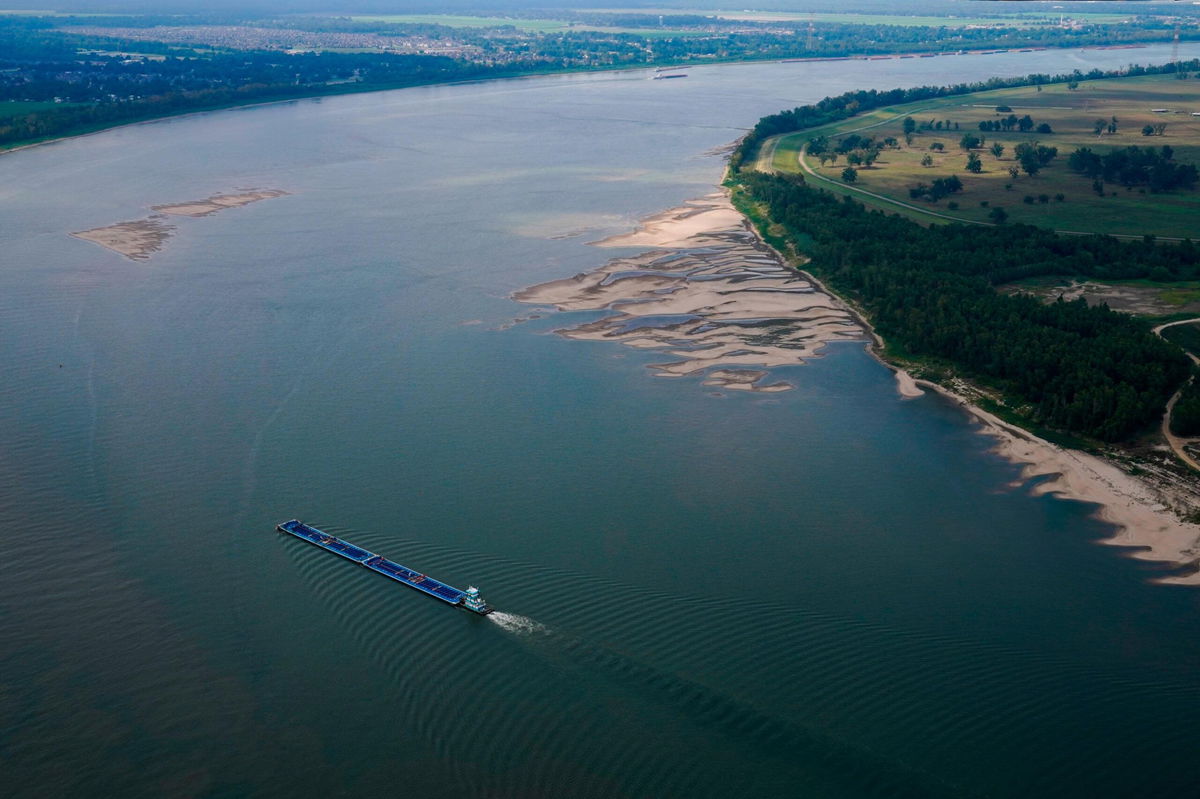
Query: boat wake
[[520, 625]]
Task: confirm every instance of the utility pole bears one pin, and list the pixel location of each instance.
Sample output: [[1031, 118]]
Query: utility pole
[[1175, 47]]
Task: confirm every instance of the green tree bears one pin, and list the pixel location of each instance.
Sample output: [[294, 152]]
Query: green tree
[[998, 215], [910, 125], [849, 174], [997, 149], [927, 160], [974, 164]]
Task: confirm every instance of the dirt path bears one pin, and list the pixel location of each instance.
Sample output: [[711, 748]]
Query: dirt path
[[1175, 441]]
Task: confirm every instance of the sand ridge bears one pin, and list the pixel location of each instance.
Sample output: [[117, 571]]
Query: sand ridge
[[217, 202], [709, 293], [140, 238]]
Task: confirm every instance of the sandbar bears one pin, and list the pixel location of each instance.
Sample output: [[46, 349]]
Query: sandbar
[[136, 240], [140, 238], [217, 202], [709, 294]]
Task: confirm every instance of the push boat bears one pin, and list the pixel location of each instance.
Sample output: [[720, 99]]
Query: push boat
[[467, 600]]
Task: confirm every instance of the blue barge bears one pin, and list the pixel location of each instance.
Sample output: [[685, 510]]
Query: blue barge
[[468, 600]]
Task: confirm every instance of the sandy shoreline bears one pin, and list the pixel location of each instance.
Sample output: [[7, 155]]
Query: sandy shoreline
[[711, 292], [1147, 514], [1142, 511]]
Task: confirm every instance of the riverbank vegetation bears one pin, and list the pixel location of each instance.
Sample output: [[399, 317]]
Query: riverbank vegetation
[[126, 68], [930, 293], [931, 290]]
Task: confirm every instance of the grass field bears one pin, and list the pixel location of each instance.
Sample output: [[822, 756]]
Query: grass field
[[1071, 114], [532, 25], [11, 108]]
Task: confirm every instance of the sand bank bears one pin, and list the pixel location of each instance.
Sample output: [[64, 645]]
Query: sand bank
[[137, 240], [1145, 511], [709, 294], [218, 202], [141, 238]]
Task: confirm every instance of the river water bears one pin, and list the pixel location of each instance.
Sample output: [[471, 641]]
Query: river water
[[824, 592]]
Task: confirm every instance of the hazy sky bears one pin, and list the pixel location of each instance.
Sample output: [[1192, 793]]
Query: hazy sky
[[425, 6]]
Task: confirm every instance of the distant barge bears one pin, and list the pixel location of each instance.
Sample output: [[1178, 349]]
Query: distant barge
[[468, 600]]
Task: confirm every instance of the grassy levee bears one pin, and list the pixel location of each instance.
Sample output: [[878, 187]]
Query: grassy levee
[[1070, 113]]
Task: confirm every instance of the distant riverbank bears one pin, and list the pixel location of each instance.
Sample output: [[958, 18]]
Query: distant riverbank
[[340, 89]]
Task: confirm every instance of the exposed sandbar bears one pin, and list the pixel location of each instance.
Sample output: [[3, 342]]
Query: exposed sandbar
[[218, 202], [710, 294], [141, 238], [136, 240]]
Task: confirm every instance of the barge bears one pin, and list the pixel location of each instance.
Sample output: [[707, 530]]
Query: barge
[[467, 600]]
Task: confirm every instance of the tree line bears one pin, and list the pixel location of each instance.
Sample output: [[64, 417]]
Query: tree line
[[844, 106], [1154, 167], [930, 292]]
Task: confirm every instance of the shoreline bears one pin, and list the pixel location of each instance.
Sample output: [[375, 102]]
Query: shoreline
[[1142, 512], [4, 150]]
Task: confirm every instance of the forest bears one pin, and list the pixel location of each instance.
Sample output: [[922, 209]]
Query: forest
[[930, 293], [1154, 167]]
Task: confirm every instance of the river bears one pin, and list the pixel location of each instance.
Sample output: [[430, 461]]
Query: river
[[829, 591]]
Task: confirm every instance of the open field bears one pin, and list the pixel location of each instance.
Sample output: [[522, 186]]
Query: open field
[[532, 25], [1137, 297], [12, 108], [1071, 115]]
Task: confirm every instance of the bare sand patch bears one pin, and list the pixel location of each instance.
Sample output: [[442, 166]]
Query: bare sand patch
[[137, 240], [688, 226], [1134, 299], [709, 293], [217, 202]]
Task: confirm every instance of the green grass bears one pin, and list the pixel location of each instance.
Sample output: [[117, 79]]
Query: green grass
[[13, 108], [1071, 115]]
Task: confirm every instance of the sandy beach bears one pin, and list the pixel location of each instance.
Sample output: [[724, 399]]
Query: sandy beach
[[709, 294], [1146, 512]]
